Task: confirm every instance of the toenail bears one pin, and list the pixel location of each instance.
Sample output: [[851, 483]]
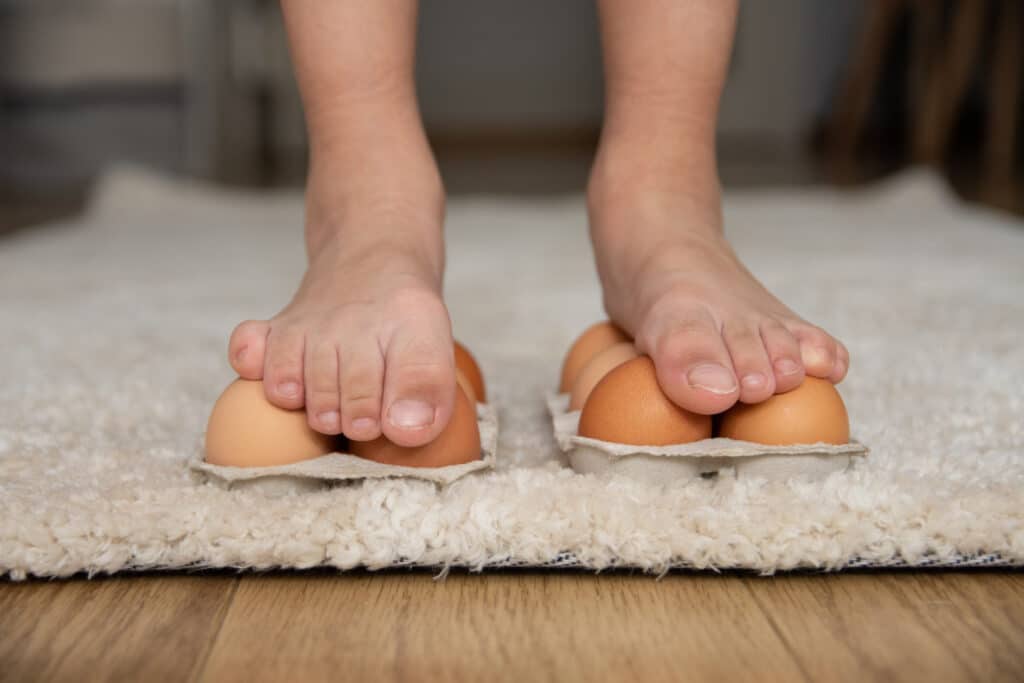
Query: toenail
[[785, 366], [841, 368], [329, 419], [364, 424], [288, 389], [754, 380], [713, 378], [411, 414], [240, 356], [814, 356]]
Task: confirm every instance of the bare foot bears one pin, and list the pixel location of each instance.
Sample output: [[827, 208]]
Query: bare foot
[[716, 335], [365, 345], [670, 278]]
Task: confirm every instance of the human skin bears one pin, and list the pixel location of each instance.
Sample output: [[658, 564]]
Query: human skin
[[365, 345]]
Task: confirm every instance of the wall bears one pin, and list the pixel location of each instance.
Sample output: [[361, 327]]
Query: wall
[[485, 66]]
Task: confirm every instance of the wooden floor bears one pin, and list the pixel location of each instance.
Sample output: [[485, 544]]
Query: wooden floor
[[515, 626]]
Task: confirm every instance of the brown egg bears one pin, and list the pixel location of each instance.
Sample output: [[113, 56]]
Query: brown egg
[[593, 341], [627, 406], [458, 443], [465, 362], [812, 413], [467, 386], [247, 430], [599, 366]]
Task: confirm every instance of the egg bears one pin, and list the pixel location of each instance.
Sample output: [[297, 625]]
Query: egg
[[467, 365], [812, 413], [599, 366], [628, 406], [247, 430], [593, 341], [466, 385], [458, 443]]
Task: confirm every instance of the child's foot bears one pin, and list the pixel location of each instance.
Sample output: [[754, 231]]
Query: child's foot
[[670, 278], [365, 345]]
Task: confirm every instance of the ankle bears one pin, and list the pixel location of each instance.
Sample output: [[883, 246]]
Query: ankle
[[655, 179], [389, 167], [639, 211], [375, 183], [373, 152], [390, 213], [398, 255], [651, 204]]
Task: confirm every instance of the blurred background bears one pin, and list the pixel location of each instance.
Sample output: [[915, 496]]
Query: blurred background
[[820, 91]]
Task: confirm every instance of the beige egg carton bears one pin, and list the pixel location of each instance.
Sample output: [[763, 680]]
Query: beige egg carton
[[665, 464], [321, 472]]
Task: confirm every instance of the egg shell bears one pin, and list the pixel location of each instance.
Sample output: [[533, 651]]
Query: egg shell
[[466, 385], [812, 413], [593, 341], [466, 363], [247, 430], [628, 406], [595, 370], [458, 443]]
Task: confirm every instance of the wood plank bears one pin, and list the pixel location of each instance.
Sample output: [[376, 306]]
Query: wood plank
[[530, 625], [110, 629], [979, 618], [900, 627], [512, 626]]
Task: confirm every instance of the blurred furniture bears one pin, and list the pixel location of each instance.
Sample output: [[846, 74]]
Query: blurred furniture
[[182, 86], [82, 83], [940, 84], [243, 117]]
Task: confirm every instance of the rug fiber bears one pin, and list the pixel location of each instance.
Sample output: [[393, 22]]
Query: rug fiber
[[113, 330]]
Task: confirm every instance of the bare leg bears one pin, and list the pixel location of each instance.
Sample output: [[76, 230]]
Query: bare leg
[[365, 345], [715, 333]]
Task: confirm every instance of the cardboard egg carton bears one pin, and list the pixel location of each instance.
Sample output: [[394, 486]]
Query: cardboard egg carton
[[321, 472], [664, 464]]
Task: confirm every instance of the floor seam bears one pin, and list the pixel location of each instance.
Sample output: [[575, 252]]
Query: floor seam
[[200, 667], [778, 632]]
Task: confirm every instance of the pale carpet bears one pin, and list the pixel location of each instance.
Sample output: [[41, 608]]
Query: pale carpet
[[112, 350]]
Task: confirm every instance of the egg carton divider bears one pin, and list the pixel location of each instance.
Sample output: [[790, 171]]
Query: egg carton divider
[[661, 464], [318, 473]]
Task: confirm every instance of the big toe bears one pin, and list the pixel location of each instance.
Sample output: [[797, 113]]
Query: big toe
[[419, 379], [247, 348], [694, 367]]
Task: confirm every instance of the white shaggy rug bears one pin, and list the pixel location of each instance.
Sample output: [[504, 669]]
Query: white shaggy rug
[[112, 349]]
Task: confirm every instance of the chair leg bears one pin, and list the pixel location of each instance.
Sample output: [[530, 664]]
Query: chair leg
[[924, 77], [847, 124], [948, 87], [1004, 98]]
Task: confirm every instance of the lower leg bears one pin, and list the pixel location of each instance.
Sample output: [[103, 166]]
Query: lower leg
[[669, 276], [365, 344]]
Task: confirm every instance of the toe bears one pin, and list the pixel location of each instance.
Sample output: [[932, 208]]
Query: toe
[[419, 382], [694, 366], [323, 402], [362, 383], [842, 363], [750, 362], [247, 347], [817, 350], [282, 370], [784, 355]]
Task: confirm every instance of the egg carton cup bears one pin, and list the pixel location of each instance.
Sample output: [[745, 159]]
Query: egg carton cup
[[664, 464], [332, 468]]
